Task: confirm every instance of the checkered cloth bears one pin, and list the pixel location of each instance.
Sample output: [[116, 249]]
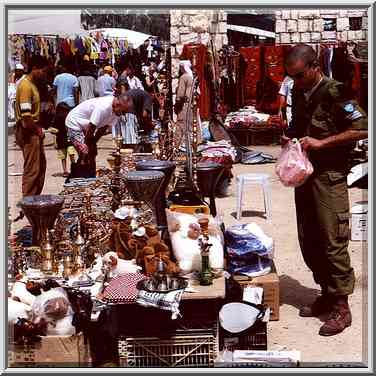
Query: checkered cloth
[[169, 301], [122, 289]]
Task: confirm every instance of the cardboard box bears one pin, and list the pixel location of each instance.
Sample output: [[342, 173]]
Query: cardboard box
[[270, 285], [51, 351]]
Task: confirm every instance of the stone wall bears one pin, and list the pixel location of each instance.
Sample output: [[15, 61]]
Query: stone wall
[[188, 25], [307, 26]]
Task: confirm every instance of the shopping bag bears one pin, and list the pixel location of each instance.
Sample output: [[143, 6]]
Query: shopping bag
[[293, 166]]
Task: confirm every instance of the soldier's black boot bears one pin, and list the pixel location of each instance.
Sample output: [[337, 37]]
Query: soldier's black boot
[[339, 318], [322, 304]]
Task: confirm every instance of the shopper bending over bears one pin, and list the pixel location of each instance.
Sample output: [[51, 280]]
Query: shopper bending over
[[89, 121]]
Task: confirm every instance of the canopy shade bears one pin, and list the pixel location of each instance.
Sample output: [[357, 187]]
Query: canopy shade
[[62, 22], [133, 37]]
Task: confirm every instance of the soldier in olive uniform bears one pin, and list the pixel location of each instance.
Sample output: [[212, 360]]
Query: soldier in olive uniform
[[328, 123]]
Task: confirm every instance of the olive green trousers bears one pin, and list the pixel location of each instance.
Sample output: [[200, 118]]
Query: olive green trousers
[[322, 208]]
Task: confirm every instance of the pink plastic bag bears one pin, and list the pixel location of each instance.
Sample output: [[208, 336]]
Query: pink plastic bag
[[293, 166]]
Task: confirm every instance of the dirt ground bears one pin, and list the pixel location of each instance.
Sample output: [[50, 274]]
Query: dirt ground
[[297, 288]]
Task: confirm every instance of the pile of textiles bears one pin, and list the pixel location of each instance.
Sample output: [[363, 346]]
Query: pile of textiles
[[218, 149], [249, 118], [220, 152], [249, 250]]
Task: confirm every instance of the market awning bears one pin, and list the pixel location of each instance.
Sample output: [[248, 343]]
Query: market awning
[[133, 37], [62, 22], [251, 30]]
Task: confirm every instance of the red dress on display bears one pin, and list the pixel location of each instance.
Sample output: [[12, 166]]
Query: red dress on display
[[252, 59]]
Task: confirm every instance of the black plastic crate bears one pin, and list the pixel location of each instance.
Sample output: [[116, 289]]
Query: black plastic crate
[[254, 338]]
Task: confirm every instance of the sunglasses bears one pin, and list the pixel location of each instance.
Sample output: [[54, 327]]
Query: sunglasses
[[300, 75]]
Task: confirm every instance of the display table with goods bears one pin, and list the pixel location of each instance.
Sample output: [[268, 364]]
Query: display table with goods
[[86, 262], [138, 281], [250, 127]]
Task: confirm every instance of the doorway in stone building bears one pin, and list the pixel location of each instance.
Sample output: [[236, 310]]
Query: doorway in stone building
[[250, 29]]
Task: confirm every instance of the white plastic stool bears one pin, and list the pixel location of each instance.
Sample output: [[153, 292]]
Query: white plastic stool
[[253, 178]]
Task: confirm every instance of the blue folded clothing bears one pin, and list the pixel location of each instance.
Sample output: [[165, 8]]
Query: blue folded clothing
[[259, 266], [242, 244]]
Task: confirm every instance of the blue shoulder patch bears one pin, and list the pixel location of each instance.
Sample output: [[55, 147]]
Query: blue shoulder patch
[[349, 107]]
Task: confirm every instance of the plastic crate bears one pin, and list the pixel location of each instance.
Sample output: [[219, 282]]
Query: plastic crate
[[196, 349], [255, 338]]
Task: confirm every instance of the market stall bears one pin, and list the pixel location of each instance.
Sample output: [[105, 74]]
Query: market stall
[[135, 267]]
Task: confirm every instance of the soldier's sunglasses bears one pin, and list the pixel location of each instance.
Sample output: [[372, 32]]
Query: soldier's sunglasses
[[300, 75]]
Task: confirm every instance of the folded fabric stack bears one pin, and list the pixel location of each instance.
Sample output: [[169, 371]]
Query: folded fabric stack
[[169, 301], [249, 250], [218, 149], [221, 152], [246, 118], [249, 118]]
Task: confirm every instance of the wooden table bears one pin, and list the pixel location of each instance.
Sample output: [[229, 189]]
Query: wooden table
[[214, 291]]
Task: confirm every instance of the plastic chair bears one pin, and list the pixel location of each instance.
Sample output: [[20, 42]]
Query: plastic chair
[[253, 178]]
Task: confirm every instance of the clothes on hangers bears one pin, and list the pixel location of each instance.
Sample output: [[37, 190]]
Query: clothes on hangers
[[252, 72]]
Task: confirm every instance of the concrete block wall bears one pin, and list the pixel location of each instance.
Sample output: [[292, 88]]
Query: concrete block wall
[[307, 26], [185, 24]]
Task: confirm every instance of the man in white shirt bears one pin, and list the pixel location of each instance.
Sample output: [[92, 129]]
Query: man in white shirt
[[133, 81], [284, 95], [90, 120]]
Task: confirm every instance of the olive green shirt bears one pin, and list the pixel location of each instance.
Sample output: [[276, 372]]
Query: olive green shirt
[[328, 111]]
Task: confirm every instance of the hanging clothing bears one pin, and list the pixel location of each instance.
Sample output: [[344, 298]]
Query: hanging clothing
[[252, 72], [202, 72], [273, 76]]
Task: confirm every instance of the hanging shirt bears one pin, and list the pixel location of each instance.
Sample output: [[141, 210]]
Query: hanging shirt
[[106, 85], [65, 84], [97, 111]]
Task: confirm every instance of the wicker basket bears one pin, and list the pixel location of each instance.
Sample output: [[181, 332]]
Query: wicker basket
[[191, 349]]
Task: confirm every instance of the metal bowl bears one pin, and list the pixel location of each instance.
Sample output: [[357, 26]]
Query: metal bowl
[[152, 285]]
